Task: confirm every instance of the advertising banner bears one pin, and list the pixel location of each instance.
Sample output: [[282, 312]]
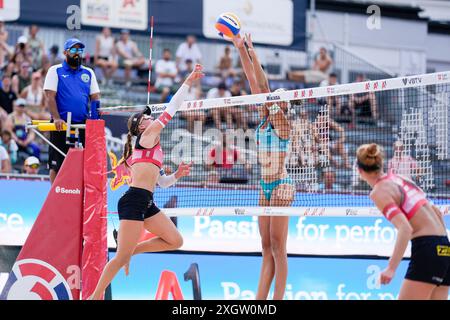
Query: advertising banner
[[131, 14], [258, 17], [317, 235], [228, 277], [48, 266]]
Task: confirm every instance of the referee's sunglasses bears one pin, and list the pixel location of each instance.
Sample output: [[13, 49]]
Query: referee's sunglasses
[[76, 50]]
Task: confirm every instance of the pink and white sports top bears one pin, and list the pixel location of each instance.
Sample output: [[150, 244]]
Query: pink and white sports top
[[412, 198], [153, 155]]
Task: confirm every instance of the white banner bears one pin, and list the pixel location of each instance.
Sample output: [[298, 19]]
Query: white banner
[[126, 14], [302, 94], [269, 22], [10, 9]]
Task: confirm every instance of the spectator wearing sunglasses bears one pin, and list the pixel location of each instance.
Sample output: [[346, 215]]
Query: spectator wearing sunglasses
[[31, 165], [69, 87]]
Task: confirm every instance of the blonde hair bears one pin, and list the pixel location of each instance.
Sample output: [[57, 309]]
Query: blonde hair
[[370, 157]]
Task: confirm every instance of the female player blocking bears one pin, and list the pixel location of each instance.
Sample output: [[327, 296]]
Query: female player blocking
[[405, 205], [277, 188], [136, 208]]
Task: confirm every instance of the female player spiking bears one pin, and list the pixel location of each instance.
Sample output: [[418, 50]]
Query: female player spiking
[[277, 188], [405, 205], [136, 208]]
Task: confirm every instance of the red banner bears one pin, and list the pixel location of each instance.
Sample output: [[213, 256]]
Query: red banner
[[95, 251], [48, 266]]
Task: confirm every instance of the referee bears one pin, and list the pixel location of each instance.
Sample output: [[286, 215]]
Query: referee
[[69, 87]]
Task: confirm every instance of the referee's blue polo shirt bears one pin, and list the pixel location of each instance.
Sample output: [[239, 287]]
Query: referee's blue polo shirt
[[73, 88]]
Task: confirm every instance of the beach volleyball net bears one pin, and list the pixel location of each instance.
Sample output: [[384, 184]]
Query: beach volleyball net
[[407, 116]]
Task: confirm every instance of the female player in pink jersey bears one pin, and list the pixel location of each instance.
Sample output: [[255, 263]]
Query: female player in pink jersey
[[405, 205], [136, 207]]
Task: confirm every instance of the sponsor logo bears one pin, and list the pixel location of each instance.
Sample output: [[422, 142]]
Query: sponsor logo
[[270, 211], [351, 212], [64, 75], [315, 211], [443, 251], [205, 212], [85, 77], [442, 76], [374, 211], [194, 105], [239, 212], [32, 279], [271, 98], [158, 109], [63, 190], [331, 90], [227, 101], [122, 174], [416, 80]]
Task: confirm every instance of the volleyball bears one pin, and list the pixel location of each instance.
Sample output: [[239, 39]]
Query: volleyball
[[228, 25]]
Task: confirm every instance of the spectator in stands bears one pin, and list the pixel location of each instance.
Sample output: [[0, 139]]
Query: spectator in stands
[[105, 55], [5, 164], [365, 104], [7, 95], [304, 142], [222, 156], [212, 179], [129, 55], [328, 183], [318, 72], [69, 87], [402, 163], [34, 96], [36, 47], [184, 73], [9, 69], [188, 50], [333, 102], [166, 72], [10, 145], [31, 165], [244, 116], [195, 93], [21, 80], [22, 52], [4, 48], [53, 56], [225, 66], [228, 113], [23, 137], [336, 140], [224, 159]]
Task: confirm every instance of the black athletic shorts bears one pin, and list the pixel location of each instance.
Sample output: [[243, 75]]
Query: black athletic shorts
[[136, 204], [430, 260], [58, 138]]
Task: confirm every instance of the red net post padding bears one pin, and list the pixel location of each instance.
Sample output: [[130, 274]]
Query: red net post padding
[[95, 251], [48, 266]]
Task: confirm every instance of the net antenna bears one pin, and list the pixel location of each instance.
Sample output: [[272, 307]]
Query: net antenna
[[150, 61]]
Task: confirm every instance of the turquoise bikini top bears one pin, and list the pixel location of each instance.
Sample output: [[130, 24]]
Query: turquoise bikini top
[[267, 140]]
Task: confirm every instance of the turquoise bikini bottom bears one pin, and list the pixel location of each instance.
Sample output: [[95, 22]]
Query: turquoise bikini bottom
[[268, 187]]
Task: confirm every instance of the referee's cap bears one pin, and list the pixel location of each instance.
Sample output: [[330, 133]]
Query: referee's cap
[[71, 42]]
